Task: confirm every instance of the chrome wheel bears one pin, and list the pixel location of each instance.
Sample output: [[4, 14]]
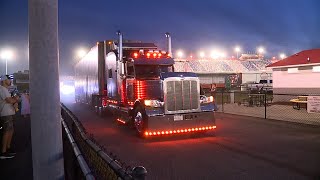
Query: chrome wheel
[[138, 122]]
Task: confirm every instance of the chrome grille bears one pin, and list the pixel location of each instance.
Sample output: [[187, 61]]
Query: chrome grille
[[182, 95]]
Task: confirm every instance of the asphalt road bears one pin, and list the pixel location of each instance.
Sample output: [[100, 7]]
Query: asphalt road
[[243, 148]]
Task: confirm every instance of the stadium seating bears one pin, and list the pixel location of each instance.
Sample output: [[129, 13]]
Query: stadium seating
[[221, 66]]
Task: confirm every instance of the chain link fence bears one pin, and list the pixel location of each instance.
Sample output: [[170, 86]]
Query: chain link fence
[[284, 107], [103, 165]]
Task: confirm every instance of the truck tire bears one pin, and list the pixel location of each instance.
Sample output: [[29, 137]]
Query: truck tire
[[139, 120]]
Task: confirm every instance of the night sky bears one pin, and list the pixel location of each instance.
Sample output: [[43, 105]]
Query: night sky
[[285, 26]]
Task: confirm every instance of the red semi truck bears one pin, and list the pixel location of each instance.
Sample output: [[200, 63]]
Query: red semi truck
[[137, 83]]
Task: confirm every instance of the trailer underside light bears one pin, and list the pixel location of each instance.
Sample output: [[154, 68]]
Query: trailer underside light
[[148, 55], [179, 131], [131, 103], [121, 121], [135, 55]]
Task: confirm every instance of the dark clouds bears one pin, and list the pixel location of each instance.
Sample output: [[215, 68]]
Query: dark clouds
[[279, 25]]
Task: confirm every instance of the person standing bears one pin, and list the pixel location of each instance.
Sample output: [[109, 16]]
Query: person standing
[[213, 91], [7, 111], [25, 104]]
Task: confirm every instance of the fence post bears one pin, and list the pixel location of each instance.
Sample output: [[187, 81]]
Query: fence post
[[222, 101], [139, 173], [232, 96], [265, 105]]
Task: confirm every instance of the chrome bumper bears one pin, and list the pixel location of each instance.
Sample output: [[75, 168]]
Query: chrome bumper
[[175, 122]]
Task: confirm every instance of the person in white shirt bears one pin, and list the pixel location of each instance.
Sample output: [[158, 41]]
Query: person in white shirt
[[7, 111]]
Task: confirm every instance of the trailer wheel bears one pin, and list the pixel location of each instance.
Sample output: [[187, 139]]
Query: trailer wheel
[[139, 120]]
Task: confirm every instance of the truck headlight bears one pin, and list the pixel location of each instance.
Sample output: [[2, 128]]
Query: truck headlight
[[153, 103]]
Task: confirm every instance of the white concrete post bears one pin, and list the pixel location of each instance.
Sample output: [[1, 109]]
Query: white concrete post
[[47, 152]]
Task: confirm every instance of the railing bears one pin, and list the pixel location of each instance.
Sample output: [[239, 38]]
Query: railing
[[285, 107], [75, 165], [102, 165]]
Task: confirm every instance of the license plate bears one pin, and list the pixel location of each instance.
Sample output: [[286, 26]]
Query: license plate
[[177, 117]]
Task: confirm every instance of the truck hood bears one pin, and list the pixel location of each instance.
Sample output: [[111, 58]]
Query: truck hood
[[177, 74]]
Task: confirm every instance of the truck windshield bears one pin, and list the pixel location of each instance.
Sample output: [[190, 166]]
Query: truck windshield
[[152, 70]]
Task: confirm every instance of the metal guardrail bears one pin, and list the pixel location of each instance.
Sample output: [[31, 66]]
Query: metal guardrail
[[103, 166], [69, 141]]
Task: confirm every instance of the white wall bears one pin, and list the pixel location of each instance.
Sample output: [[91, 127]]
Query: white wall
[[302, 79], [254, 77]]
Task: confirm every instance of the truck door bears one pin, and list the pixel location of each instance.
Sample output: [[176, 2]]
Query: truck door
[[130, 78]]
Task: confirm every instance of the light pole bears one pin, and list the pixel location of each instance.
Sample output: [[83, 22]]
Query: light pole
[[261, 50], [7, 55], [215, 55], [180, 54], [237, 49], [282, 56], [202, 54], [81, 52]]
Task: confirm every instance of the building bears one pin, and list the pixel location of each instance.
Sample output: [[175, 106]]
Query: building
[[297, 74], [226, 73], [21, 80]]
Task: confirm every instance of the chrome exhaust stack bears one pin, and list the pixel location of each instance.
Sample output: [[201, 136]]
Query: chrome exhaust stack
[[120, 51], [168, 43]]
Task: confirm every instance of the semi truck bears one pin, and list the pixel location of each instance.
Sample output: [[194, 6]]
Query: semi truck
[[136, 82]]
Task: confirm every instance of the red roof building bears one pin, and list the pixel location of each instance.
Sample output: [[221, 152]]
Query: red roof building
[[306, 57], [297, 74]]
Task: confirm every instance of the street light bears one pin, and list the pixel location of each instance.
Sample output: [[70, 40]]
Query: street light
[[222, 55], [81, 52], [261, 50], [202, 54], [7, 54], [282, 56], [214, 55], [237, 50], [180, 54]]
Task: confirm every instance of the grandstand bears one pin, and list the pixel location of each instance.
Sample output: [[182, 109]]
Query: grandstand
[[219, 71]]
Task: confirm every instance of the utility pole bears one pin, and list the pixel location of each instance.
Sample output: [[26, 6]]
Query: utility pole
[[47, 152]]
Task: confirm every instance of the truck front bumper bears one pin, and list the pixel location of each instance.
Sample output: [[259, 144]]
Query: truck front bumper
[[180, 123]]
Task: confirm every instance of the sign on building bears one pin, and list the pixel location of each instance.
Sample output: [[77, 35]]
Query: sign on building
[[313, 104]]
